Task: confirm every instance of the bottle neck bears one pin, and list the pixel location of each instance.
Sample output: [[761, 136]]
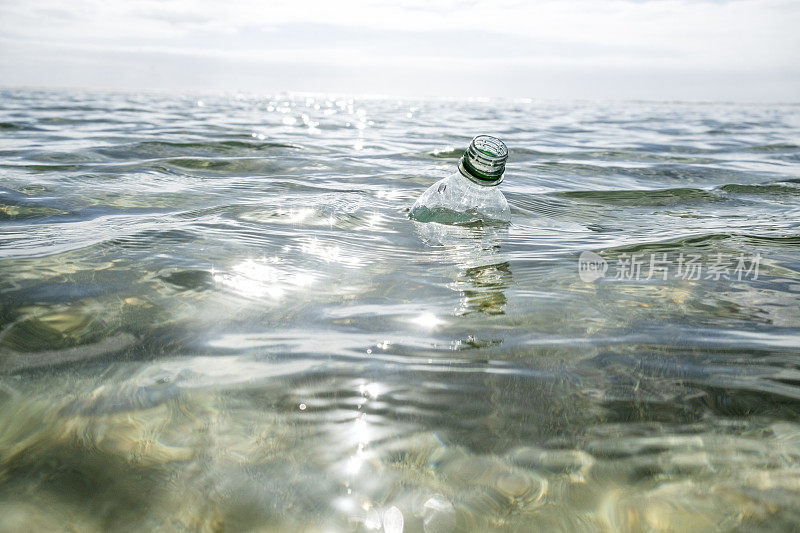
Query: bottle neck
[[466, 170], [484, 161]]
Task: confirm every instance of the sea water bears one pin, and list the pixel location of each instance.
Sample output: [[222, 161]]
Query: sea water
[[216, 314]]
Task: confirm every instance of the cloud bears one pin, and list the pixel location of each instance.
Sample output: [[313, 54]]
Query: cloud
[[738, 39]]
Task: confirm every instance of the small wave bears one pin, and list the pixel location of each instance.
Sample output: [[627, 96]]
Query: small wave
[[632, 154], [775, 147], [765, 188], [39, 168], [642, 197], [783, 240], [447, 154], [216, 166], [205, 148], [694, 242], [646, 176], [152, 238], [539, 205]]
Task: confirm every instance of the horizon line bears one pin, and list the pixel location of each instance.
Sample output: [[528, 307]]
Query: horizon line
[[387, 96]]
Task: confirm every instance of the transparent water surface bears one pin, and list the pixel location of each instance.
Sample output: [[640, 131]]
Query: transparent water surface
[[216, 315]]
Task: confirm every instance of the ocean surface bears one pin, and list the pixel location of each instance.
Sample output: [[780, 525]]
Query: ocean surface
[[216, 315]]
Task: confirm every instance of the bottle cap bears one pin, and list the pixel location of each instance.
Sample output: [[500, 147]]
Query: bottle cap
[[485, 160]]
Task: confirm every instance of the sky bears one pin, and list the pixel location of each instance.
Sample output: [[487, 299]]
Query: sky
[[730, 50]]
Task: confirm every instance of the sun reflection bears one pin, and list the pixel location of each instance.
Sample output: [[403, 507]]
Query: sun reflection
[[311, 124], [262, 278], [299, 215], [329, 253], [389, 194], [370, 389], [361, 437], [427, 321], [361, 434], [374, 220], [354, 463], [361, 430]]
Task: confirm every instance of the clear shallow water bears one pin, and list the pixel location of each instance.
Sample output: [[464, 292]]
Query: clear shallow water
[[217, 315]]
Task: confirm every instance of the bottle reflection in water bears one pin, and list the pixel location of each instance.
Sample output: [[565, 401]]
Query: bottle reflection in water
[[470, 194], [482, 289], [472, 258]]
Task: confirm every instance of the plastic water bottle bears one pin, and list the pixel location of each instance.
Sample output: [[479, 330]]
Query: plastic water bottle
[[470, 194]]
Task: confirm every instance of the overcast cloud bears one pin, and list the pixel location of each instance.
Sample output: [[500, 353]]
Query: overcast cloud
[[660, 49]]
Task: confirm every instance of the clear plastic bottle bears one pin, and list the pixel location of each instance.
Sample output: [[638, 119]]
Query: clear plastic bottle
[[470, 194]]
